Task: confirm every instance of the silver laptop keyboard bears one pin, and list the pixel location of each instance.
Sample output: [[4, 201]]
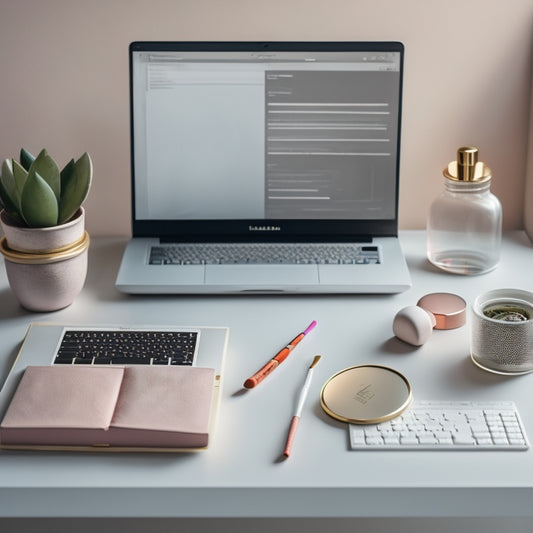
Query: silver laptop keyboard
[[264, 253], [446, 425], [126, 347]]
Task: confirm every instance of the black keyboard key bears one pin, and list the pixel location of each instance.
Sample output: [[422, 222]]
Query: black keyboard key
[[102, 360], [130, 361], [83, 361]]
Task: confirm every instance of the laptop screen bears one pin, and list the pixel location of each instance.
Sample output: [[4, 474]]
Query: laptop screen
[[292, 139]]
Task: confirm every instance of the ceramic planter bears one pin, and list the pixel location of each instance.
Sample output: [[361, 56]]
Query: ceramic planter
[[43, 240], [46, 267]]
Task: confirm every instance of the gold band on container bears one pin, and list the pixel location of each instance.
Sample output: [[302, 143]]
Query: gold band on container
[[41, 258]]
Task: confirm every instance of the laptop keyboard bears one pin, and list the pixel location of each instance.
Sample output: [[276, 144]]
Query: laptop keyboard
[[264, 253], [126, 347]]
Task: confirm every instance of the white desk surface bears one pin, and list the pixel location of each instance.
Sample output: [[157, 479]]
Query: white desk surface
[[241, 475]]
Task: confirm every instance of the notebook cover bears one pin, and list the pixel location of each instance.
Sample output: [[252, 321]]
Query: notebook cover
[[137, 407], [161, 406], [61, 405]]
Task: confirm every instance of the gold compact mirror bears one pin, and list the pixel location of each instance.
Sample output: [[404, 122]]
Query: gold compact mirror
[[366, 394]]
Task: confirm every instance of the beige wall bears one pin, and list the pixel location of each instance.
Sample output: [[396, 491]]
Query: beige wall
[[64, 80]]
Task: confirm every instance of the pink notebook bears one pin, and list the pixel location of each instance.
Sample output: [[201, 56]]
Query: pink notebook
[[115, 407]]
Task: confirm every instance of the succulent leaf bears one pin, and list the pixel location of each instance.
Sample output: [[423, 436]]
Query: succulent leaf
[[66, 175], [8, 191], [46, 167], [38, 202], [20, 176], [26, 159], [75, 184], [6, 202]]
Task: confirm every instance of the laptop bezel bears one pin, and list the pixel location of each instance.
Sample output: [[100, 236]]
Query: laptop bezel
[[286, 230]]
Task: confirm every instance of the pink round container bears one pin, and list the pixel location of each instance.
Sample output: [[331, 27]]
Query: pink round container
[[448, 309]]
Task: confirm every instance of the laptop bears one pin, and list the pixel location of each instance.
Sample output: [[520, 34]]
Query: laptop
[[49, 344], [265, 167]]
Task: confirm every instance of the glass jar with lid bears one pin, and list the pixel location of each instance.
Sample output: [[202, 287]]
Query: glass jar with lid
[[465, 220]]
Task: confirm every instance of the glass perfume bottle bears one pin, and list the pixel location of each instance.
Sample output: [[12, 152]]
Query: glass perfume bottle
[[465, 220]]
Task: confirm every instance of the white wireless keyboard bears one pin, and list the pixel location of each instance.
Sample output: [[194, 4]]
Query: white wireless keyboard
[[437, 425]]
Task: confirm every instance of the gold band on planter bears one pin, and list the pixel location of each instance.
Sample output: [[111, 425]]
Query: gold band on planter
[[41, 258]]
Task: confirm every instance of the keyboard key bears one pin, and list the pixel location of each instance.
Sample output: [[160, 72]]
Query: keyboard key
[[446, 441], [427, 439], [102, 360], [409, 441], [500, 440], [391, 439]]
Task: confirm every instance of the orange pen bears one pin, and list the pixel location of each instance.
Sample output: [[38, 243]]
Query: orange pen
[[261, 374]]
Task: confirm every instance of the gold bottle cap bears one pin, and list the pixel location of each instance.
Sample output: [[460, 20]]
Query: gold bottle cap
[[467, 167]]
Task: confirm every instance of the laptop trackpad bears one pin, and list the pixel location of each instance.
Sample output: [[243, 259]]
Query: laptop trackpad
[[261, 275]]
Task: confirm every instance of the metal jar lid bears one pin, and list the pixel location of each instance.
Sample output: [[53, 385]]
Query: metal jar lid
[[366, 394]]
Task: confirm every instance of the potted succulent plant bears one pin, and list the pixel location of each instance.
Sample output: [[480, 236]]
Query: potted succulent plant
[[45, 242]]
